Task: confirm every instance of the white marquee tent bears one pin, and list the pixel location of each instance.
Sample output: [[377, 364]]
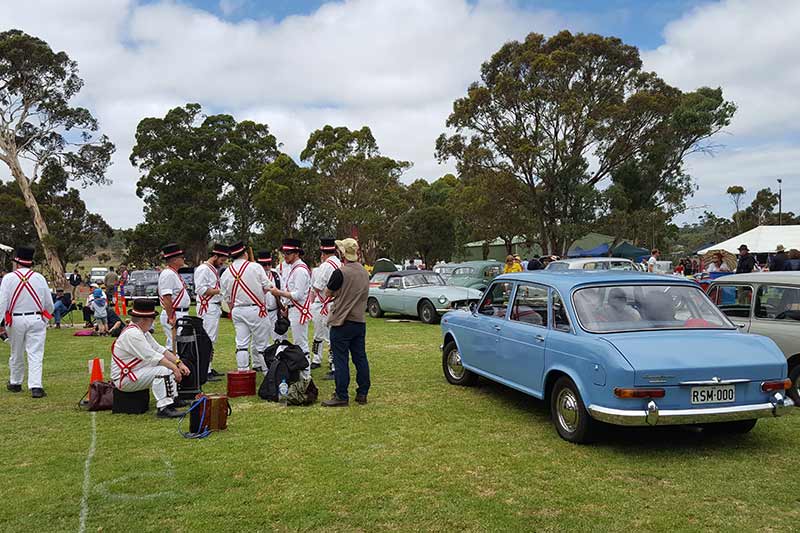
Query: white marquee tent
[[763, 239]]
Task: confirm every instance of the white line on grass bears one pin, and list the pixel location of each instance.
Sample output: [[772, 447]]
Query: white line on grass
[[86, 477]]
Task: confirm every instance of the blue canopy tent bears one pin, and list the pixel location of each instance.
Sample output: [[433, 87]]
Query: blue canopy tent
[[597, 251]]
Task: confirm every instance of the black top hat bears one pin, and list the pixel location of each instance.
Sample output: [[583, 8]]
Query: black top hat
[[236, 249], [168, 251], [291, 245], [143, 308], [327, 245], [219, 249], [744, 247], [264, 257], [23, 255]]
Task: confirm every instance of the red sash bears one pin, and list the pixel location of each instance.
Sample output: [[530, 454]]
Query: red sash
[[205, 300], [175, 299], [305, 314], [25, 283], [125, 369], [237, 282], [326, 301]]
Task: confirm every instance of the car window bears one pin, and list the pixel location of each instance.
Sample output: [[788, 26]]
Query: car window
[[463, 271], [560, 317], [491, 271], [495, 301], [379, 277], [620, 265], [530, 305], [558, 265], [394, 283], [778, 303], [733, 300]]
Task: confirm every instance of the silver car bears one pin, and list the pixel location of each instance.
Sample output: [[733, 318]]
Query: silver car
[[592, 263], [766, 303]]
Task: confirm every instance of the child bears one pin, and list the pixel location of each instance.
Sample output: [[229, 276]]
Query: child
[[100, 311]]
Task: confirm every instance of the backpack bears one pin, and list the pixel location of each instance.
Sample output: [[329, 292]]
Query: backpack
[[284, 361], [302, 392]]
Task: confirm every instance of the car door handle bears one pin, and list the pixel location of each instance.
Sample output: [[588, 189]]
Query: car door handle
[[539, 338], [497, 328]]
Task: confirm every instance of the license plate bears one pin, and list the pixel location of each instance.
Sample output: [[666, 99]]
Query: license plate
[[714, 394]]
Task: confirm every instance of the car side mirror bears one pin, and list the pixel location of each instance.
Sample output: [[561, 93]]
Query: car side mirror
[[473, 308]]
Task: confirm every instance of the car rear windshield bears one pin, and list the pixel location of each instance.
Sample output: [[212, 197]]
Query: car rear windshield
[[463, 271], [646, 307], [558, 266], [143, 276]]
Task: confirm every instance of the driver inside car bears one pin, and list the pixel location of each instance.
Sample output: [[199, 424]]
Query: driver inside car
[[617, 308]]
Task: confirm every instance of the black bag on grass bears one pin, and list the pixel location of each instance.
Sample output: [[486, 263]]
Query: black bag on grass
[[284, 361]]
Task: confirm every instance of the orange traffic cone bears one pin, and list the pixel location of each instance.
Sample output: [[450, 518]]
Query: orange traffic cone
[[97, 373]]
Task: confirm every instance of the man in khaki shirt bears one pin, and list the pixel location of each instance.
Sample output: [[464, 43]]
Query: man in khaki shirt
[[110, 282], [349, 288]]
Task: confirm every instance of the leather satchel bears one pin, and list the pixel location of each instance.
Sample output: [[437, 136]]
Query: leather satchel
[[101, 396]]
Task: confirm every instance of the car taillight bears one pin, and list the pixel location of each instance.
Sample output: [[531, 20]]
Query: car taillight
[[639, 393], [769, 386]]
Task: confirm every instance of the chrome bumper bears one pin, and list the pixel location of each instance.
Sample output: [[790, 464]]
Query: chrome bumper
[[778, 405]]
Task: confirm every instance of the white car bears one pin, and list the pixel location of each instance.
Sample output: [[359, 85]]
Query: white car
[[98, 275], [592, 263]]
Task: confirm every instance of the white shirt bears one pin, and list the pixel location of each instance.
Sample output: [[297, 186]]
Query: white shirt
[[296, 279], [272, 303], [651, 264], [170, 283], [321, 275], [133, 344], [205, 278], [253, 278], [25, 302]]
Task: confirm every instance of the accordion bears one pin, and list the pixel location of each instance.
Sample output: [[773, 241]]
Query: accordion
[[211, 414]]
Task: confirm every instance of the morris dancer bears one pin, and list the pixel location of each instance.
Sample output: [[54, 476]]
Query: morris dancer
[[138, 362], [320, 303], [265, 260], [209, 299], [244, 285], [172, 292], [26, 305], [296, 279]]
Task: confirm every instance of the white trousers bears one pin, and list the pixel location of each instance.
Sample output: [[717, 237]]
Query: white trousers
[[252, 332], [321, 333], [272, 317], [211, 321], [300, 337], [168, 328], [160, 378], [27, 335]]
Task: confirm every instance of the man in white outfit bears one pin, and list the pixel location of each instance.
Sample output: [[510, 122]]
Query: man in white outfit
[[172, 291], [321, 304], [209, 296], [138, 362], [244, 285], [265, 260], [26, 305], [296, 295]]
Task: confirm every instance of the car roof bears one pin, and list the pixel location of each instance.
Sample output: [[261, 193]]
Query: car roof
[[582, 260], [410, 272], [567, 280], [492, 262], [762, 277]]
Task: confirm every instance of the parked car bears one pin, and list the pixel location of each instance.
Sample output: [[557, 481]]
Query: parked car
[[624, 348], [592, 263], [446, 270], [768, 304], [475, 274], [97, 275], [142, 284], [187, 273], [421, 293]]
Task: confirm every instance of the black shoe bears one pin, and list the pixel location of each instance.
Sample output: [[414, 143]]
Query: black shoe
[[328, 377], [215, 373], [212, 377], [180, 402], [169, 412], [314, 366], [13, 388], [335, 401], [361, 398], [38, 392]]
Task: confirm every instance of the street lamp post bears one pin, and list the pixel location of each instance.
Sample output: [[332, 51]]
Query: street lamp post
[[780, 203]]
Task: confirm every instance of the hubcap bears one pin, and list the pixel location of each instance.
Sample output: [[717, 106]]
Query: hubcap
[[567, 410], [426, 314], [454, 365]]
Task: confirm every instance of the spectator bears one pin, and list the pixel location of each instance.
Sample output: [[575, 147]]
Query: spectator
[[545, 260], [778, 261], [115, 325], [75, 281], [88, 310], [793, 263], [100, 307], [717, 265], [534, 264], [511, 265], [747, 262], [110, 281], [61, 305], [651, 263]]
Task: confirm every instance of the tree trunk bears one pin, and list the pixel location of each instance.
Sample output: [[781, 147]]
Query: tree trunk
[[50, 253]]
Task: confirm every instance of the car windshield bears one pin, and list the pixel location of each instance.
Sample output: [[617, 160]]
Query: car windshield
[[143, 276], [97, 271], [420, 280], [646, 307]]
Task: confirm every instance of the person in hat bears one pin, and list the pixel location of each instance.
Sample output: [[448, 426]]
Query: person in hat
[[264, 259], [746, 262], [172, 291], [349, 288], [244, 285], [209, 296], [296, 294], [138, 362], [26, 305], [718, 264], [778, 261], [320, 306]]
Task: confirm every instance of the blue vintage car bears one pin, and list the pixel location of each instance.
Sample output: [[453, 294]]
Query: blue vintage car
[[624, 348]]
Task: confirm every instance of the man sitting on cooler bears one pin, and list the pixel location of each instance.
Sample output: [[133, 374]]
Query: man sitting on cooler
[[139, 362]]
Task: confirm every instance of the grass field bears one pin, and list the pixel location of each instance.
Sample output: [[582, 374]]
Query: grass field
[[422, 455]]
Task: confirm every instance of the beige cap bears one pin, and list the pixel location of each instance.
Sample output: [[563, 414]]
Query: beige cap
[[349, 248], [779, 248]]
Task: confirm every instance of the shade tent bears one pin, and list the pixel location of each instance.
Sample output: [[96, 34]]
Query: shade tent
[[761, 240], [629, 251], [597, 251]]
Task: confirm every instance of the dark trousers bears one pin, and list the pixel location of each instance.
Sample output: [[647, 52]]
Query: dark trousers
[[350, 337]]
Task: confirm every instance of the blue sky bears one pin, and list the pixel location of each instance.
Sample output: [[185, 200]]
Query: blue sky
[[397, 66]]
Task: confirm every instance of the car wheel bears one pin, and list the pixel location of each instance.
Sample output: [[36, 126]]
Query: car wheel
[[454, 371], [374, 308], [570, 417], [737, 427], [427, 313], [794, 391]]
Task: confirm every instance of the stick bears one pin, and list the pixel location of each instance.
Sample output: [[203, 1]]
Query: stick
[[175, 337]]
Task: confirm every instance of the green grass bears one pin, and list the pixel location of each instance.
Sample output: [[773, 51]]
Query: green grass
[[423, 455]]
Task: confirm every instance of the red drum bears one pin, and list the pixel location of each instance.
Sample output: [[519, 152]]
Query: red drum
[[241, 383]]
